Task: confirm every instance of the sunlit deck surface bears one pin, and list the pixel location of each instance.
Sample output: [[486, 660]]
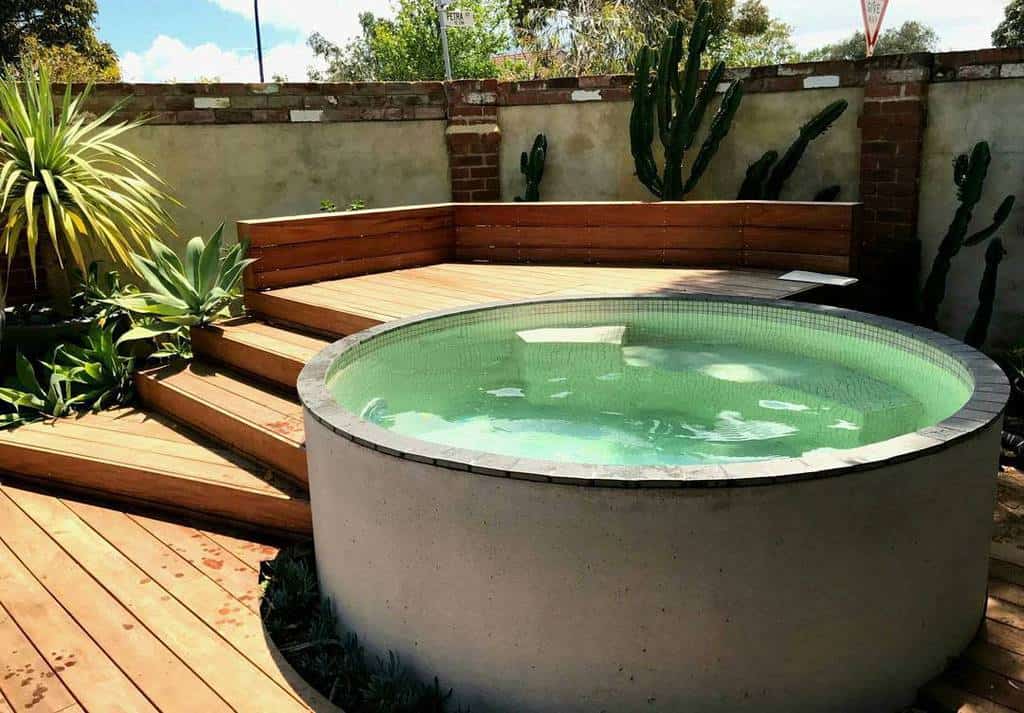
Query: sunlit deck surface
[[103, 610], [349, 304]]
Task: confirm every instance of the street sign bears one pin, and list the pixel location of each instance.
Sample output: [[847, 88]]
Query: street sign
[[874, 13], [459, 18]]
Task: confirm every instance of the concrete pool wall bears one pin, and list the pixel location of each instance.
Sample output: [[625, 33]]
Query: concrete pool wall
[[836, 582]]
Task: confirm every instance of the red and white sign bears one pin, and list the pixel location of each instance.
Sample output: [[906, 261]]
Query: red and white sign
[[874, 13]]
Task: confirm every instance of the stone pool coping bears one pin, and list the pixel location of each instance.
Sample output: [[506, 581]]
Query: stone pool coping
[[985, 407]]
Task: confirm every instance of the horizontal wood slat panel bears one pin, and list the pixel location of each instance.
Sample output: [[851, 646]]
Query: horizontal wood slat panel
[[337, 250], [304, 249], [823, 242], [348, 268], [327, 226], [809, 216]]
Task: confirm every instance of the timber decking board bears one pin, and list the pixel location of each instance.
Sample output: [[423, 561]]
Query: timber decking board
[[142, 457], [250, 419], [266, 352], [347, 305], [100, 615]]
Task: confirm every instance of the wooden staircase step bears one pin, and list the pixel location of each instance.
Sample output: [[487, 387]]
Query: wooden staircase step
[[268, 352], [138, 456], [252, 419]]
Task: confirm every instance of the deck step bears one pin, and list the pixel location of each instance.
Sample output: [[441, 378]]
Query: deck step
[[270, 353], [134, 455], [255, 420]]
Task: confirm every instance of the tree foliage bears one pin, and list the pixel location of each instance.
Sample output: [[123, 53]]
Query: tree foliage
[[567, 37], [408, 47], [60, 32], [1010, 32], [911, 36]]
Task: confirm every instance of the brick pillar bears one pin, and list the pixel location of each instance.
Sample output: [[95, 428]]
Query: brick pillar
[[892, 126], [474, 140]]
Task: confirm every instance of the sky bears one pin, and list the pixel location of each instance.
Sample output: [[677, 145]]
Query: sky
[[185, 40]]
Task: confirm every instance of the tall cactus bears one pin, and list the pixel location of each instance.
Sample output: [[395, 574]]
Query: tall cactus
[[766, 176], [669, 101], [969, 176], [532, 166], [978, 330]]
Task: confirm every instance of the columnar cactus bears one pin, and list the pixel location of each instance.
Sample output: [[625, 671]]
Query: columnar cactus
[[969, 175], [978, 330], [532, 166], [766, 176], [670, 102]]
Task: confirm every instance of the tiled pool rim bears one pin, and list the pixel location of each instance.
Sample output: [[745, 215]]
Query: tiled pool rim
[[986, 405]]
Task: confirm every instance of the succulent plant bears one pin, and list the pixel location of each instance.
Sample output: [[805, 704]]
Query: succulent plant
[[978, 331], [766, 177], [669, 101], [532, 166], [969, 176]]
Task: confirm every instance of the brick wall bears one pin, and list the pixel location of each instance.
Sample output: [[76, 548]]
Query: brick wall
[[892, 120], [474, 140]]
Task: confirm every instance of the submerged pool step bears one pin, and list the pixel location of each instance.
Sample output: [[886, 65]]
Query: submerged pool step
[[253, 419], [270, 353]]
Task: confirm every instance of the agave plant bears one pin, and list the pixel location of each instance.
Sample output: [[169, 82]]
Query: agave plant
[[195, 291], [64, 179]]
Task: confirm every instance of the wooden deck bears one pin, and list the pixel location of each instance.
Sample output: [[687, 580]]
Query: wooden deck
[[103, 610], [350, 304], [143, 456]]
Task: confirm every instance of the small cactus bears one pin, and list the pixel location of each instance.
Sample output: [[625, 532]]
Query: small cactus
[[978, 330], [669, 101], [969, 176], [766, 176], [532, 166]]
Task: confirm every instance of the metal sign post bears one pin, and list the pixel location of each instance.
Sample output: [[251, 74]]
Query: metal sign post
[[443, 23], [874, 13]]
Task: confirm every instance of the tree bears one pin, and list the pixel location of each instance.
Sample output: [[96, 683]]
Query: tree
[[408, 47], [911, 36], [66, 25], [603, 36], [66, 64], [1010, 32]]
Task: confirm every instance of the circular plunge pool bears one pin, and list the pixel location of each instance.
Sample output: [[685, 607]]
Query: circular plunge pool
[[656, 503]]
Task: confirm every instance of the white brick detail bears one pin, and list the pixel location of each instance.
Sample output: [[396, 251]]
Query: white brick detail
[[794, 71], [481, 98], [1012, 70], [977, 71], [586, 95], [824, 81], [306, 115], [211, 102]]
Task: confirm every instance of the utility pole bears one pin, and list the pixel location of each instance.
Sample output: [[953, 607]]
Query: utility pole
[[442, 19], [259, 41]]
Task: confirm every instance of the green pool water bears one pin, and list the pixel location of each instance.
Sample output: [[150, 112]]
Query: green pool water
[[648, 382]]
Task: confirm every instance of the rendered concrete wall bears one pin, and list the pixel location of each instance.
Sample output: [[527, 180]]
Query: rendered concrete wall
[[841, 594], [238, 171], [589, 156], [959, 115]]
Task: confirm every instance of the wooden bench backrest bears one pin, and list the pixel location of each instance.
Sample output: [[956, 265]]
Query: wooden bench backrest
[[302, 249], [751, 234], [806, 236]]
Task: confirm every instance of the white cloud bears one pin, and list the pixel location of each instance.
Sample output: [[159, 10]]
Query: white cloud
[[170, 59], [337, 20]]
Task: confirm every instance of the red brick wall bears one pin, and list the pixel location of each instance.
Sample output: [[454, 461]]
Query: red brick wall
[[474, 140]]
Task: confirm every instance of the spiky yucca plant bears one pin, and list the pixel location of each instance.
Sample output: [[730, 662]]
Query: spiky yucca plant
[[65, 180]]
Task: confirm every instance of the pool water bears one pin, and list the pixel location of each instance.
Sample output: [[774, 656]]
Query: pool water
[[647, 383]]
